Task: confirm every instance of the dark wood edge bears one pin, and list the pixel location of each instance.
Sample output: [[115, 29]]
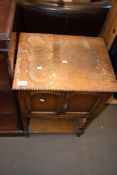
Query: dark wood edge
[[90, 7], [10, 20], [115, 96], [11, 133], [47, 115]]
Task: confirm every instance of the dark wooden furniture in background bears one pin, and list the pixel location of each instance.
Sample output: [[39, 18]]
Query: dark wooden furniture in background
[[40, 16], [109, 32], [9, 117]]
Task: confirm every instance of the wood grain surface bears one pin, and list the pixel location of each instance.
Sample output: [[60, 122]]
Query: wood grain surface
[[66, 63]]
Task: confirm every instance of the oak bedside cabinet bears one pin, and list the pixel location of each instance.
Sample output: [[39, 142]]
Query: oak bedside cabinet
[[63, 82]]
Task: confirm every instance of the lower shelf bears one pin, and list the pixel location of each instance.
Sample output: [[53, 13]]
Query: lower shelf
[[54, 125], [8, 123], [11, 133]]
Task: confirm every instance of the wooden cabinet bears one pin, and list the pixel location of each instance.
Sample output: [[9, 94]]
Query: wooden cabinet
[[64, 85], [10, 123]]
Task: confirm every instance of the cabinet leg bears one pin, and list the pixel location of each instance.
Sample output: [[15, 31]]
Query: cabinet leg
[[27, 134], [80, 132], [26, 127]]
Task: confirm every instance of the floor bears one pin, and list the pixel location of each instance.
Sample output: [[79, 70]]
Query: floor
[[94, 153]]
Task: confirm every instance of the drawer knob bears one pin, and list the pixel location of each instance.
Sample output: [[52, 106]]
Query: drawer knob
[[65, 106], [42, 100], [84, 120]]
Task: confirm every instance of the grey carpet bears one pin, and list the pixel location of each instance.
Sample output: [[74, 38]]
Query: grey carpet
[[94, 153]]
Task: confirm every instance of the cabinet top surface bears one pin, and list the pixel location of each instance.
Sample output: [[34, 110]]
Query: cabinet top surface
[[7, 10], [66, 63]]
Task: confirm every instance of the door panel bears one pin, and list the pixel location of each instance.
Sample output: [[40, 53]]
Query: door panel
[[79, 103], [46, 102]]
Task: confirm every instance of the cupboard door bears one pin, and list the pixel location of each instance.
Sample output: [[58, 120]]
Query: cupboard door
[[79, 103], [44, 102]]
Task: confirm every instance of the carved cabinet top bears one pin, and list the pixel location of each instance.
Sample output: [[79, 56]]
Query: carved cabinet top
[[65, 63]]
